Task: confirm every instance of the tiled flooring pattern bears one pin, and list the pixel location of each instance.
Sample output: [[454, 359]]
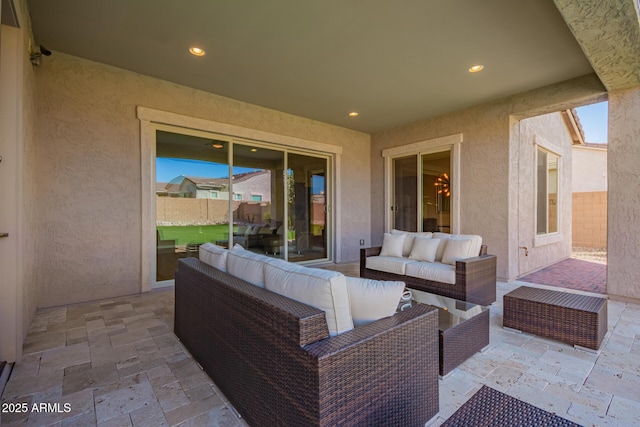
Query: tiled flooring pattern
[[117, 363], [572, 274]]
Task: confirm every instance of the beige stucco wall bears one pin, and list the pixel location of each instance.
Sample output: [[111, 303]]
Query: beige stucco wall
[[18, 287], [623, 243], [548, 131], [484, 171], [490, 164], [589, 169], [88, 172]]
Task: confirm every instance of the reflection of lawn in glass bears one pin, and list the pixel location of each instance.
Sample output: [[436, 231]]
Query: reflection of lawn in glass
[[185, 234]]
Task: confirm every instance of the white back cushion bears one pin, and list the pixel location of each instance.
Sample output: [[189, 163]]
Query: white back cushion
[[409, 239], [474, 250], [393, 244], [322, 289], [424, 249], [247, 265], [457, 249], [444, 238], [372, 299], [476, 243], [214, 255]]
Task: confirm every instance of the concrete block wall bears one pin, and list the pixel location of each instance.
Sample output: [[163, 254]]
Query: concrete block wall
[[590, 219]]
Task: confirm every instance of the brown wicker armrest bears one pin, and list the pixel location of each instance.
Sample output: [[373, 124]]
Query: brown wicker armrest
[[367, 252], [399, 352], [478, 277]]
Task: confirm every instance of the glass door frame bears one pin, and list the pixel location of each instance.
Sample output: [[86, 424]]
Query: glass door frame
[[151, 119], [452, 143]]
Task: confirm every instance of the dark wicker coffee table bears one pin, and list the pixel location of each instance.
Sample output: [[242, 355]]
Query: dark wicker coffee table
[[580, 320], [463, 329], [489, 407]]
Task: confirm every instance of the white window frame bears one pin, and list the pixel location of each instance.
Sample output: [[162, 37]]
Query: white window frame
[[556, 236], [152, 120], [451, 142]]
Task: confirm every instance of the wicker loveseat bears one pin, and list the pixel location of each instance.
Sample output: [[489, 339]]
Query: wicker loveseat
[[471, 279], [275, 361]]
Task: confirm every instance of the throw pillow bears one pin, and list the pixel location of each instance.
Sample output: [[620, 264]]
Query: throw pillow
[[392, 245], [409, 239], [424, 249], [456, 250], [444, 238], [214, 255], [371, 300], [323, 289]]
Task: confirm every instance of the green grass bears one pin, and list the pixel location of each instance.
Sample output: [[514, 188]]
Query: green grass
[[193, 233]]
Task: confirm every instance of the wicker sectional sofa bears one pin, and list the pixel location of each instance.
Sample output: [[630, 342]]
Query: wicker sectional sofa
[[277, 363], [471, 279]]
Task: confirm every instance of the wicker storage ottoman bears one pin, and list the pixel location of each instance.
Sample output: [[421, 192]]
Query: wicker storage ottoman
[[580, 320]]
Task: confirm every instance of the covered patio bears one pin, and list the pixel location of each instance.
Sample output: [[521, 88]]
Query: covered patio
[[80, 318], [116, 362]]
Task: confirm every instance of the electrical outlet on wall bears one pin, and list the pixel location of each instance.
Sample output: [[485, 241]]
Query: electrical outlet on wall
[[361, 242]]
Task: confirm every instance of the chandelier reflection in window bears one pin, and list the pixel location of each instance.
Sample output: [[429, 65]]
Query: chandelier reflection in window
[[443, 193], [443, 185]]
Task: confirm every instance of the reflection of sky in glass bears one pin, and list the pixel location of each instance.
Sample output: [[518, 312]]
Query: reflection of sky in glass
[[317, 185], [168, 169]]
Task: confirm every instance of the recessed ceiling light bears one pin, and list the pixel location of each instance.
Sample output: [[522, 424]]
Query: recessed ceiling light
[[476, 68], [353, 114], [196, 51], [217, 145], [253, 150]]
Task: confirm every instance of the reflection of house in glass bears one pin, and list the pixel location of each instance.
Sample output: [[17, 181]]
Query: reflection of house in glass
[[198, 200], [248, 186]]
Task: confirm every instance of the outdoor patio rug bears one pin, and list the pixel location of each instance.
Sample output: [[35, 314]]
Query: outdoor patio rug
[[572, 274], [489, 407]]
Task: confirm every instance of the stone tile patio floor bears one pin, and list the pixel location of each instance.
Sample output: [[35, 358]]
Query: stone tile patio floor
[[117, 363]]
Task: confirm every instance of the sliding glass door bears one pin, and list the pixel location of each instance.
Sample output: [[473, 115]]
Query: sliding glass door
[[307, 207], [213, 188], [421, 192], [258, 199]]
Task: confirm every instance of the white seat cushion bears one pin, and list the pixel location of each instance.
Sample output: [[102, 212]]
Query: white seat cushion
[[371, 300], [322, 289], [247, 265], [214, 255], [389, 264], [424, 249], [392, 245], [435, 271]]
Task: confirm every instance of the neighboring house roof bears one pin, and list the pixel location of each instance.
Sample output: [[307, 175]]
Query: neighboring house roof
[[604, 146], [206, 183], [248, 175], [572, 121]]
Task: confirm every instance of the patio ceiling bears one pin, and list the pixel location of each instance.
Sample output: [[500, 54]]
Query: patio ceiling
[[393, 62]]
